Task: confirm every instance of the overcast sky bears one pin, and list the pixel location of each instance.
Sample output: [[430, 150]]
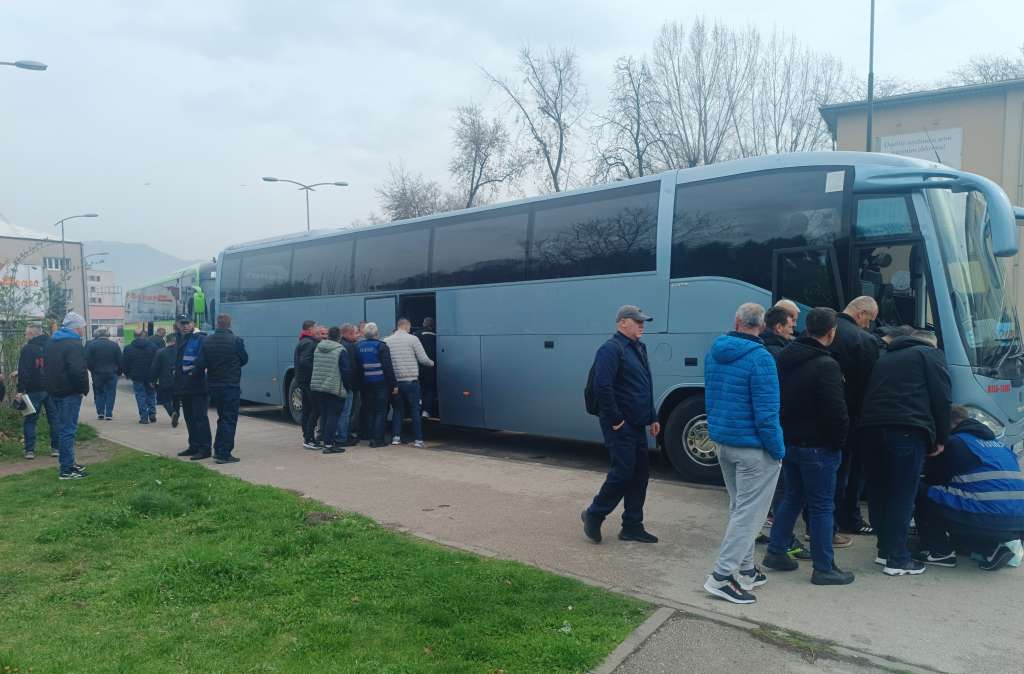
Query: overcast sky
[[162, 116]]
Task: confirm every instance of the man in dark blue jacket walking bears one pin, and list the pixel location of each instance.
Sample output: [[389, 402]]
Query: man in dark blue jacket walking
[[224, 356], [625, 396]]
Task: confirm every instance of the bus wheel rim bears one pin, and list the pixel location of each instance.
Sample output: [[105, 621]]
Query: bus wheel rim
[[697, 444]]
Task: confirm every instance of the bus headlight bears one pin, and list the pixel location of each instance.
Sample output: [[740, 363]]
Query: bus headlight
[[990, 421]]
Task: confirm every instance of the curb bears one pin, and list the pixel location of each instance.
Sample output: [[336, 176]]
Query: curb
[[634, 641]]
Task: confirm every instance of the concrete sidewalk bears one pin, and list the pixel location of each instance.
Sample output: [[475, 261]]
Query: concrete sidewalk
[[953, 620]]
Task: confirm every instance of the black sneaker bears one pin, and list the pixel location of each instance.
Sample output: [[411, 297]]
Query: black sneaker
[[910, 568], [998, 559], [780, 562], [187, 452], [174, 419], [199, 456], [72, 475], [591, 527], [100, 417], [30, 453], [638, 534], [834, 577], [948, 560], [751, 578], [152, 418], [728, 589], [226, 459], [333, 449], [143, 421], [309, 444]]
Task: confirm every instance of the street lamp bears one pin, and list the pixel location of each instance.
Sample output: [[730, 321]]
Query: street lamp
[[87, 266], [305, 188], [64, 265], [25, 65]]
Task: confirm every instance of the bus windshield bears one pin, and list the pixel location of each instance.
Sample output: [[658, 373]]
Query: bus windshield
[[984, 303]]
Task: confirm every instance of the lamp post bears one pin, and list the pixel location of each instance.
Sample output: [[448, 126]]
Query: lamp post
[[64, 263], [25, 65], [871, 76], [87, 265], [305, 188]]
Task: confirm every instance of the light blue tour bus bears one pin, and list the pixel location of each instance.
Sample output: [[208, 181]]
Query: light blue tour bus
[[523, 293]]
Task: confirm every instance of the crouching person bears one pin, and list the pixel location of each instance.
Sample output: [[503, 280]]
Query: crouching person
[[815, 424], [974, 492], [741, 394]]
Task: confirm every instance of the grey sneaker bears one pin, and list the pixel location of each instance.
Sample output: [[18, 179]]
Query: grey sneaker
[[418, 444], [30, 453], [397, 440], [54, 452], [72, 475]]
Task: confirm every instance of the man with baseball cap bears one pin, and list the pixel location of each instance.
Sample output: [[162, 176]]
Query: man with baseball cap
[[190, 389], [624, 393]]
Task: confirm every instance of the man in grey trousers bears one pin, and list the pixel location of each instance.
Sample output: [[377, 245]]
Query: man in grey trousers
[[741, 389]]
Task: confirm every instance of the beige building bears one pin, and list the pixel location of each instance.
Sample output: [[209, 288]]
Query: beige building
[[977, 128], [45, 262], [106, 302]]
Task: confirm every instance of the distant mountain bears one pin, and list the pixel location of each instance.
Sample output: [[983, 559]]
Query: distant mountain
[[133, 263]]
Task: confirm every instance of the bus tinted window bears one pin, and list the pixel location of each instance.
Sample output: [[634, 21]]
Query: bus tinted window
[[322, 268], [491, 250], [230, 269], [730, 227], [265, 274], [392, 261], [605, 233], [882, 216]]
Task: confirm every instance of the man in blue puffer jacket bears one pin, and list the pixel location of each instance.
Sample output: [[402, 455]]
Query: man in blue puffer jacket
[[742, 398]]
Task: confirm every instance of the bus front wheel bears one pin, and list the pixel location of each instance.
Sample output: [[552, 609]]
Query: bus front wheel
[[685, 437], [294, 407]]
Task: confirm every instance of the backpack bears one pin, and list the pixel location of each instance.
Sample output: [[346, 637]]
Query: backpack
[[589, 396]]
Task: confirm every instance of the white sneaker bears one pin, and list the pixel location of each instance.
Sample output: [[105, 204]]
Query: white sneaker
[[424, 414], [397, 440], [418, 444]]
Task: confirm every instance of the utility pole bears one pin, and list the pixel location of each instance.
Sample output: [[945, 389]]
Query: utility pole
[[871, 78]]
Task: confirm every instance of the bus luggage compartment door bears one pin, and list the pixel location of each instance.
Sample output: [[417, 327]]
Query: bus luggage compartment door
[[458, 380]]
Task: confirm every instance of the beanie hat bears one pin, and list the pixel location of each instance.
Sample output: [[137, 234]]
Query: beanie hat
[[73, 321]]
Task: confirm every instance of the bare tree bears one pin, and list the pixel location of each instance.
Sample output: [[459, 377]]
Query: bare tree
[[549, 102], [993, 68], [484, 159], [626, 135], [701, 78], [405, 195], [780, 111]]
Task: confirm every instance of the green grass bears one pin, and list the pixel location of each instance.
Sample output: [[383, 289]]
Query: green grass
[[12, 445], [155, 565]]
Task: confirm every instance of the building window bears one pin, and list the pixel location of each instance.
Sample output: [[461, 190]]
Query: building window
[[57, 263]]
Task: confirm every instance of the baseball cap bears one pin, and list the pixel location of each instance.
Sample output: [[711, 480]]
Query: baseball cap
[[629, 311], [183, 318]]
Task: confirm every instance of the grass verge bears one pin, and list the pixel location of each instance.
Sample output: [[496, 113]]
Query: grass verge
[[12, 445], [155, 565]]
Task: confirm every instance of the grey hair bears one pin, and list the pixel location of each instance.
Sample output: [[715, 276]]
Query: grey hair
[[371, 331], [862, 303], [751, 315], [102, 332], [35, 329], [789, 306], [346, 327]]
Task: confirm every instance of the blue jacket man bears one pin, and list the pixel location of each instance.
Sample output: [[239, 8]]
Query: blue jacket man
[[741, 394], [972, 490], [625, 397], [190, 388]]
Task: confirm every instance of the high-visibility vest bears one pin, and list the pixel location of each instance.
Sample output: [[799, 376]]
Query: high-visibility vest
[[994, 488]]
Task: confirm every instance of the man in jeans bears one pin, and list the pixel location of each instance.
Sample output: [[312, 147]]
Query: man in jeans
[[347, 424], [906, 416], [67, 380], [407, 355], [137, 361], [224, 355], [815, 424], [378, 382], [103, 358], [741, 394], [623, 388], [32, 386]]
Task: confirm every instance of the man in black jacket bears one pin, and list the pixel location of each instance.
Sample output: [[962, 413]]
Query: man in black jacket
[[190, 389], [428, 375], [856, 350], [905, 417], [67, 380], [159, 338], [815, 424], [31, 385], [224, 356], [161, 376], [622, 386], [136, 361], [302, 362], [778, 330], [103, 358], [350, 433]]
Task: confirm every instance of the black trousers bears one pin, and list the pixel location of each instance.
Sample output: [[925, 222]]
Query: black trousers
[[628, 476], [195, 407], [310, 413]]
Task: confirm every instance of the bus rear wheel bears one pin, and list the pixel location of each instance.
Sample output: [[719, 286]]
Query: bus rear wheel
[[294, 406], [689, 448]]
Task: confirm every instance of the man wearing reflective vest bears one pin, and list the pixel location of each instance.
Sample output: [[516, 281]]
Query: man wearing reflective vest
[[379, 382], [973, 490]]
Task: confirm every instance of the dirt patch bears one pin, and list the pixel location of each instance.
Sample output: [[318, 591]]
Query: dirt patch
[[319, 517]]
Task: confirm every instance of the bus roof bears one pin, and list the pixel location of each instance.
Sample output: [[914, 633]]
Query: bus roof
[[707, 172], [173, 275]]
